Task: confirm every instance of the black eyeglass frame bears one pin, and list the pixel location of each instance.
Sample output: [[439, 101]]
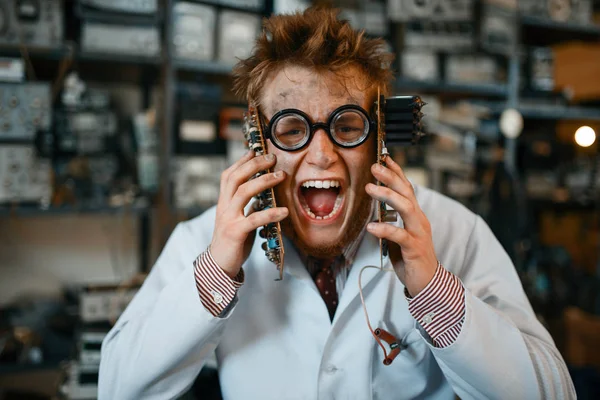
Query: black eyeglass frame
[[372, 125]]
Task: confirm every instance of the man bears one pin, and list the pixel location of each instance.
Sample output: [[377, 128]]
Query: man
[[454, 301]]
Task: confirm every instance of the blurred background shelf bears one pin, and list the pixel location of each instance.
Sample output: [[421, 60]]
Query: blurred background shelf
[[6, 369], [564, 27], [47, 53], [490, 90], [208, 67], [31, 211], [560, 113], [119, 58]]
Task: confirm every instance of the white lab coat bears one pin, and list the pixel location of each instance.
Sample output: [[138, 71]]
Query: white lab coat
[[278, 342]]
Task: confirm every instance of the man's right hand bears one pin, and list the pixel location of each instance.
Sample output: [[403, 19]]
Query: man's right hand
[[234, 231]]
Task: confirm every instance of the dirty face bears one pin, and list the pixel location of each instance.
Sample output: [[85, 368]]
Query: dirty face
[[324, 188]]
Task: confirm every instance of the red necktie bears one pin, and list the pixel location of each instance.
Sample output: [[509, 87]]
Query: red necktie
[[325, 282]]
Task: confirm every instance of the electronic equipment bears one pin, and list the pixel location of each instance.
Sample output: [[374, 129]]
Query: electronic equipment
[[419, 65], [471, 68], [237, 32], [89, 345], [290, 6], [81, 381], [498, 29], [147, 143], [105, 304], [194, 31], [255, 138], [576, 11], [23, 176], [541, 68], [196, 181], [25, 110], [85, 132], [136, 40], [439, 35], [432, 10], [12, 69], [31, 23], [196, 120], [249, 4], [370, 17], [124, 6]]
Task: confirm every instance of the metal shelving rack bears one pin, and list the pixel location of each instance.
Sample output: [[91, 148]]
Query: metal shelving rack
[[168, 71], [147, 69]]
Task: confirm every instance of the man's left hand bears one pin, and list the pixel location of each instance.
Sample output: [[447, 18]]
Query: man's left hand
[[411, 248]]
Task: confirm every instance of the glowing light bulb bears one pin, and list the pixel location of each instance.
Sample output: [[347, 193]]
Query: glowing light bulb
[[585, 136], [511, 123]]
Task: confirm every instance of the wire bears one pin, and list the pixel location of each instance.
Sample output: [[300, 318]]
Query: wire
[[362, 300]]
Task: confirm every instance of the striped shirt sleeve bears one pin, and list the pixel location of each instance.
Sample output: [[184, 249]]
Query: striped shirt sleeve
[[216, 289], [440, 307]]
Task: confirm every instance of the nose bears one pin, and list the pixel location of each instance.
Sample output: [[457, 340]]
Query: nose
[[322, 152]]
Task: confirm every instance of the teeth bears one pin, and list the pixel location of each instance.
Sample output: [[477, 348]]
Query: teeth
[[319, 184], [336, 207]]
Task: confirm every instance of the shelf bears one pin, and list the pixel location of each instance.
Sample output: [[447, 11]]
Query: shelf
[[566, 206], [546, 32], [119, 58], [545, 23], [45, 53], [546, 112], [59, 53], [31, 211], [7, 369], [220, 4], [211, 67], [560, 113], [491, 90]]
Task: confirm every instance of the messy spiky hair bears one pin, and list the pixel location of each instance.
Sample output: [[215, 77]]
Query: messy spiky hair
[[315, 38]]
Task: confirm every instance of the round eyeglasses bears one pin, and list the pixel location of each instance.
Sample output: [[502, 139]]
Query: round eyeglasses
[[347, 126]]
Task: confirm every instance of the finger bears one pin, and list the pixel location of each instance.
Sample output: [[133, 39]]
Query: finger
[[393, 165], [227, 173], [264, 217], [394, 181], [408, 210], [245, 171], [246, 191], [245, 158], [390, 232]]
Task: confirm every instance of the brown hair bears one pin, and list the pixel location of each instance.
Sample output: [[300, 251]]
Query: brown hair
[[314, 38]]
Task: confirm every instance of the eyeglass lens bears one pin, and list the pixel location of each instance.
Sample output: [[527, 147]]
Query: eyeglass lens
[[347, 128]]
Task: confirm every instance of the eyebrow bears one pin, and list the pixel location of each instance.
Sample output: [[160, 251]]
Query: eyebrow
[[277, 105]]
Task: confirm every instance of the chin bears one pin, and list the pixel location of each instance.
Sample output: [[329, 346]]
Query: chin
[[325, 240]]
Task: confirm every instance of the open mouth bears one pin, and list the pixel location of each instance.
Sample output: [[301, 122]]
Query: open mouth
[[321, 199]]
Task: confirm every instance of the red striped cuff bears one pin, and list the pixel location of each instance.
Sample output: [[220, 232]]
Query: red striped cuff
[[440, 307], [217, 290]]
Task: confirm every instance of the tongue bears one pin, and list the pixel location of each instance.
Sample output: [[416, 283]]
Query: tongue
[[320, 201]]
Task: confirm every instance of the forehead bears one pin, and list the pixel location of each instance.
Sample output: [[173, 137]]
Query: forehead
[[316, 93]]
